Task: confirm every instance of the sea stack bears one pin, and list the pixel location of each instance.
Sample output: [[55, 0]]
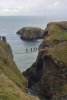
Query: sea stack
[[30, 33]]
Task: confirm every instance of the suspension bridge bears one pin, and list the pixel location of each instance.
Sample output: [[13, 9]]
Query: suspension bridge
[[37, 50], [29, 51]]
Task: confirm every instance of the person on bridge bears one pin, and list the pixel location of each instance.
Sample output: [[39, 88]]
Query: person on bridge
[[36, 48], [31, 49], [26, 50]]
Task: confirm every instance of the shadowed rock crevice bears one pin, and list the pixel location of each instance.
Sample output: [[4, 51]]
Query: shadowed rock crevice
[[49, 72]]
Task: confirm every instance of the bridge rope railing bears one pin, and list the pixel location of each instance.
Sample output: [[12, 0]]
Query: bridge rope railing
[[29, 51], [37, 50]]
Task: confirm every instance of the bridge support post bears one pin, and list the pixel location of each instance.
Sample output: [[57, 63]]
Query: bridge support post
[[3, 39], [0, 38]]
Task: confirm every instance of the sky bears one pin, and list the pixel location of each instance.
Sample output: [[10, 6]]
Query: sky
[[33, 7]]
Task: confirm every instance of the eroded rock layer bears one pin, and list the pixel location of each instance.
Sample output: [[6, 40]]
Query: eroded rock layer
[[48, 75]]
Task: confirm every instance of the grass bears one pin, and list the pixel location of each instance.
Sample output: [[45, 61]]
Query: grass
[[61, 90], [59, 52], [10, 69], [56, 33], [12, 82], [10, 91], [31, 28]]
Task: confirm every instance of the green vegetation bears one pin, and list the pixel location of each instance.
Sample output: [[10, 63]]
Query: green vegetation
[[50, 68], [9, 68], [12, 82], [56, 33], [31, 28], [31, 33], [59, 52], [60, 91]]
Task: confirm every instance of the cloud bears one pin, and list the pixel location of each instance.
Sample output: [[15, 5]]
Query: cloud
[[11, 10], [31, 7], [54, 5]]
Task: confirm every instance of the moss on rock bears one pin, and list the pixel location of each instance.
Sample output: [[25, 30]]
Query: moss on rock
[[12, 82], [31, 33], [51, 80]]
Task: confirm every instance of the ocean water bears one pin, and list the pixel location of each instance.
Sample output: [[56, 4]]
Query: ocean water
[[9, 25]]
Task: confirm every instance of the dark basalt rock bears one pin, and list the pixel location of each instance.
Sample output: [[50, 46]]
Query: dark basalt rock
[[48, 76], [30, 33]]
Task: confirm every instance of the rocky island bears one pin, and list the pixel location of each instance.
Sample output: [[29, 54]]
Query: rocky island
[[48, 75], [30, 33]]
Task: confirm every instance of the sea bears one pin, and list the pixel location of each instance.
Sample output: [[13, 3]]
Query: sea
[[9, 25]]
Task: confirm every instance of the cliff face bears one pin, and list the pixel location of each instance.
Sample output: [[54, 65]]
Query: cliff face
[[12, 82], [48, 75], [30, 33]]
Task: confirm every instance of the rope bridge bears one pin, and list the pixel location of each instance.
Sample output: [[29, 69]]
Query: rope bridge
[[36, 50], [29, 51]]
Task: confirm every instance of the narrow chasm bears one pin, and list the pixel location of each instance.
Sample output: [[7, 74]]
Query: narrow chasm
[[34, 74]]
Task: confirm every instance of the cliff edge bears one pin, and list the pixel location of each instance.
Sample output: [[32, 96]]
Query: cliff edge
[[48, 75], [12, 82]]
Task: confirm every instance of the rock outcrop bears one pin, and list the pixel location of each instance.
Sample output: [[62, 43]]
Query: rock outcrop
[[30, 33], [12, 82], [48, 75]]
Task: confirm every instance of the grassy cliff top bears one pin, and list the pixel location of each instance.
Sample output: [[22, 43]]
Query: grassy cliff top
[[56, 31], [12, 82], [55, 37], [31, 28], [59, 52], [8, 66]]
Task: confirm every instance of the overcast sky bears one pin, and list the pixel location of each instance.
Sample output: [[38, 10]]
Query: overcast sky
[[33, 7]]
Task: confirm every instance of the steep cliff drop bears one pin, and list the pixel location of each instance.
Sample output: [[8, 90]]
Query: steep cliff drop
[[12, 82], [48, 75]]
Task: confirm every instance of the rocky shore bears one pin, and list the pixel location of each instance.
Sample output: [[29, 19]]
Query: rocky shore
[[30, 33], [48, 75]]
